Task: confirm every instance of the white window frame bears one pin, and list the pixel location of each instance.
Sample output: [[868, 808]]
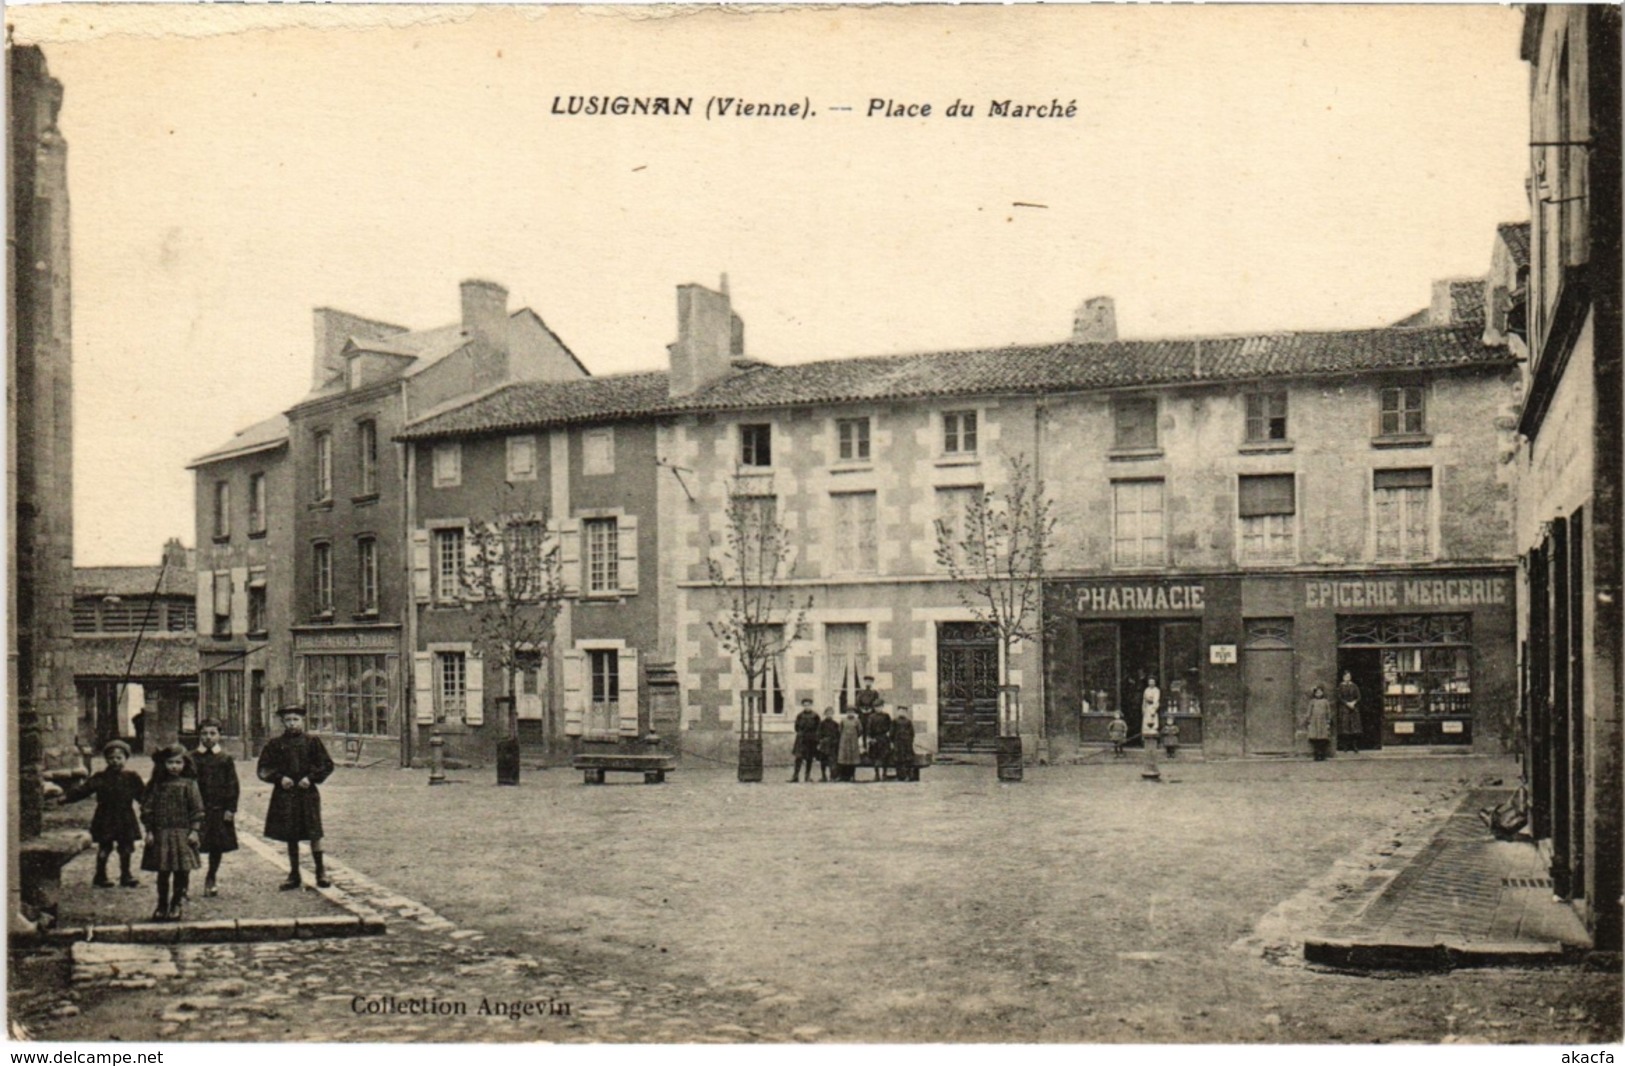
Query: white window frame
[[444, 654], [324, 466], [1430, 508], [517, 446], [1265, 398], [447, 463], [957, 419], [606, 582], [1140, 562], [438, 589], [1272, 527], [750, 462], [256, 503], [222, 510], [1421, 409], [854, 448], [322, 566], [366, 565], [366, 446], [598, 451]]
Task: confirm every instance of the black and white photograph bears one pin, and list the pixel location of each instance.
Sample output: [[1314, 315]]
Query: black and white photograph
[[1157, 470]]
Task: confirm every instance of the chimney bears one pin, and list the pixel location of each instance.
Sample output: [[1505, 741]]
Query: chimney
[[485, 311], [1095, 321], [1456, 301], [176, 556], [709, 336]]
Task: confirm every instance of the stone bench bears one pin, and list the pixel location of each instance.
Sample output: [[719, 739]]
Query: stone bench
[[653, 767], [40, 870]]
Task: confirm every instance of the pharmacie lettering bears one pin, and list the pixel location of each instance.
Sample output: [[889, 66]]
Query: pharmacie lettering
[[1111, 598], [1411, 592]]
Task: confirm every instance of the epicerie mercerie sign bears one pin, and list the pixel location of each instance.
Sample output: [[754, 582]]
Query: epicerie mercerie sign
[[1408, 592], [1140, 599]]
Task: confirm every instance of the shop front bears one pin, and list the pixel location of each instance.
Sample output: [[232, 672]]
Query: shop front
[[1111, 642], [348, 681]]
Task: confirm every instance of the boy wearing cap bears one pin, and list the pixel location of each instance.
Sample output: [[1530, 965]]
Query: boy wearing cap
[[115, 824], [806, 746], [294, 764]]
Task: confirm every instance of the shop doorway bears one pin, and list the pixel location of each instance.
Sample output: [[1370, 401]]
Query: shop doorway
[[1141, 656], [1364, 666]]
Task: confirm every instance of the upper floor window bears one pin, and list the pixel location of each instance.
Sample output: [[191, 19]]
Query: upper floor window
[[603, 556], [366, 549], [852, 436], [522, 458], [954, 526], [448, 465], [959, 433], [1266, 417], [756, 445], [1403, 410], [1268, 508], [598, 451], [324, 467], [222, 604], [258, 622], [1403, 504], [256, 504], [322, 559], [1135, 422], [1137, 523], [856, 545], [222, 510], [367, 456], [448, 565]]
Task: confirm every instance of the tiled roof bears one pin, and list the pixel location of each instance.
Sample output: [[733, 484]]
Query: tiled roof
[[260, 435], [133, 581], [1516, 237], [1027, 369], [160, 655], [1467, 301]]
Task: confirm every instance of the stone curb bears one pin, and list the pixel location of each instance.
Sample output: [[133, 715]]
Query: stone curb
[[225, 931], [1435, 955]]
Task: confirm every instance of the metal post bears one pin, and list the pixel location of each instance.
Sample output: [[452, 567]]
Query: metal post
[[437, 759], [1009, 750], [751, 713]]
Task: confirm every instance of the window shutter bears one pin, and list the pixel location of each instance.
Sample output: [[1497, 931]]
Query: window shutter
[[570, 555], [420, 565], [239, 599], [222, 592], [423, 686], [205, 599], [473, 581], [1267, 495], [626, 540], [575, 686], [474, 694], [628, 666]]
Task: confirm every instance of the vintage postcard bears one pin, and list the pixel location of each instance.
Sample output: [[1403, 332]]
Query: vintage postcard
[[473, 467]]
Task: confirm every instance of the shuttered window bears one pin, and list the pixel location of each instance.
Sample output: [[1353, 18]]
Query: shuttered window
[[1268, 508], [1135, 420], [1402, 502]]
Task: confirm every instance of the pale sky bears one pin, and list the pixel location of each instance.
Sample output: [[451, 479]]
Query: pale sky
[[1230, 169]]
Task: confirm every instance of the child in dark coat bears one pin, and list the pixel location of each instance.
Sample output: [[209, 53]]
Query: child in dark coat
[[173, 813], [114, 825], [294, 764], [217, 781]]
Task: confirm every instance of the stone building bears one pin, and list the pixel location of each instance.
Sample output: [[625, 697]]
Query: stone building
[[135, 662], [1570, 459], [39, 461], [244, 589], [351, 617]]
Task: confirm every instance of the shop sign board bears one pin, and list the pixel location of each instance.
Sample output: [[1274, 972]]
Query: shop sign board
[[1403, 593], [1222, 654], [1132, 598]]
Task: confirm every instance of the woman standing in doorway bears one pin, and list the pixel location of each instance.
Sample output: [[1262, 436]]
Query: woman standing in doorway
[[1349, 726], [1151, 713]]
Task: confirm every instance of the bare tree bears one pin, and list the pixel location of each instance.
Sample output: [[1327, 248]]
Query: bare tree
[[996, 557], [513, 584], [751, 565]]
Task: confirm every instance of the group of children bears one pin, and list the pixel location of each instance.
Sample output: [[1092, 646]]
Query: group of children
[[189, 806]]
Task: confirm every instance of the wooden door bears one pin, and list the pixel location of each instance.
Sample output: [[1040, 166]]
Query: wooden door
[[967, 687], [1270, 691]]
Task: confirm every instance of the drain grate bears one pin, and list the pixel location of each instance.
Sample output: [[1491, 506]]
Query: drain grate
[[1526, 882]]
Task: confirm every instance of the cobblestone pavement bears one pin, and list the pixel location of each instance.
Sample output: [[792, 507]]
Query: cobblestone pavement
[[1084, 905]]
